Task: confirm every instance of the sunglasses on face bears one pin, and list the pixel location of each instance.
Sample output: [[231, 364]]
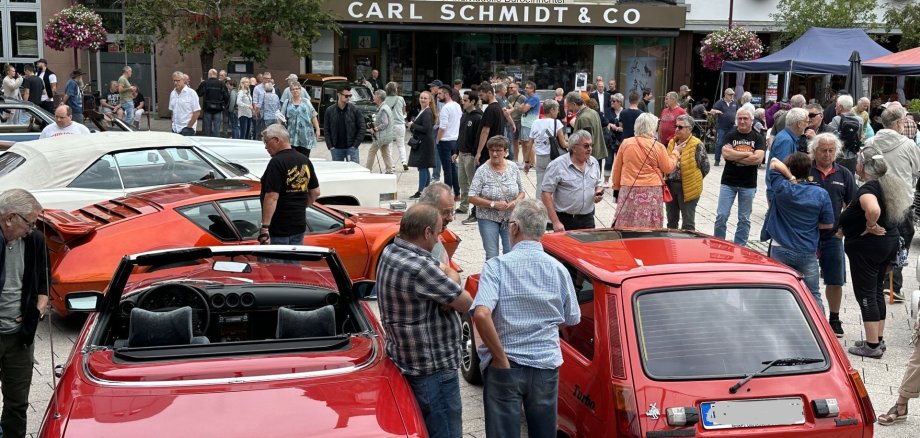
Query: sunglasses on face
[[345, 95], [813, 115], [679, 127]]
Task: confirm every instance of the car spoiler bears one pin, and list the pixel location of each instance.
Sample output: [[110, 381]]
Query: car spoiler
[[68, 226]]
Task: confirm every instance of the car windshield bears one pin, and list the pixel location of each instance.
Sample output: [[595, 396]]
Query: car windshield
[[719, 333], [9, 161], [359, 94]]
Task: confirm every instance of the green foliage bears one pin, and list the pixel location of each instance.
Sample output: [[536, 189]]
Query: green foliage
[[237, 27], [797, 16], [913, 106], [905, 16]]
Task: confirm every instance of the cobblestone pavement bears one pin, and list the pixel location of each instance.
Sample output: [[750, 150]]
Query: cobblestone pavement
[[881, 376]]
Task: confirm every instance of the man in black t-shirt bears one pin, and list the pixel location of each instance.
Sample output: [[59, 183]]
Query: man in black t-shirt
[[493, 121], [32, 85], [743, 150], [289, 185]]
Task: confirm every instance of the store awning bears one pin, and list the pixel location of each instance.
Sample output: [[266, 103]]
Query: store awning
[[818, 51]]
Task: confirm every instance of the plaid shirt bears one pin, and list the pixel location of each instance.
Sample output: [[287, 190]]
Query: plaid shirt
[[910, 128], [421, 339]]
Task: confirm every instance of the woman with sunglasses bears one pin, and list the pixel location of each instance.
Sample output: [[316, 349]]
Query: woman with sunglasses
[[686, 180]]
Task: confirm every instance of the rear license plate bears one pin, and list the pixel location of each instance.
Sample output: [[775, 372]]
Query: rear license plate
[[752, 413]]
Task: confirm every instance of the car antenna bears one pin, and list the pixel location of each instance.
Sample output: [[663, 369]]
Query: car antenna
[[54, 371]]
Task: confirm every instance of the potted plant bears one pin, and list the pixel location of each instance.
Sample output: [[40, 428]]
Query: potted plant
[[735, 44], [913, 108]]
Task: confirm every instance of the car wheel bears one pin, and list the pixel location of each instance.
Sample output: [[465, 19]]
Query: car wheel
[[469, 363]]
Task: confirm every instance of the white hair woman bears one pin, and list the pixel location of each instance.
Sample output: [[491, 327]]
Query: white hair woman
[[639, 169], [871, 241]]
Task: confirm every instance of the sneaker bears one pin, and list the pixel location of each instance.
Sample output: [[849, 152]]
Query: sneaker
[[865, 351], [717, 164], [882, 345], [416, 195], [469, 221], [461, 211], [838, 327], [405, 167]]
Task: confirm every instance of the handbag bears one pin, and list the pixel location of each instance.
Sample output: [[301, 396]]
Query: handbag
[[666, 192], [555, 149], [414, 142]]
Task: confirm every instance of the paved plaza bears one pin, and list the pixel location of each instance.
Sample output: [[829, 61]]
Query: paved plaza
[[882, 376]]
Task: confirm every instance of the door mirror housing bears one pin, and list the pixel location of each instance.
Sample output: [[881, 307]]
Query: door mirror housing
[[88, 301], [365, 290]]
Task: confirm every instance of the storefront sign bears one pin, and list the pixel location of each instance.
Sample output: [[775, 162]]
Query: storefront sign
[[520, 12]]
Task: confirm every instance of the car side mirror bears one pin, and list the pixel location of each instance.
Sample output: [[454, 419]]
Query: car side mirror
[[89, 301], [365, 290], [152, 157], [349, 226]]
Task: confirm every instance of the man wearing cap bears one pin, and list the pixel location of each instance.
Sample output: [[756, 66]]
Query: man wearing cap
[[50, 80], [684, 99], [725, 110], [73, 95]]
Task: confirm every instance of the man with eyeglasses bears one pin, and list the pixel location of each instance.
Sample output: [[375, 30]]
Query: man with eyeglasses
[[815, 126], [289, 185], [343, 126], [183, 102], [24, 277], [572, 185]]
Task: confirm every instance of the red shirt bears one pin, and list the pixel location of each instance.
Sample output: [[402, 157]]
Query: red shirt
[[668, 122]]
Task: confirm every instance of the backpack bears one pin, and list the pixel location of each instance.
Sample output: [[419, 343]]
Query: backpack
[[849, 132]]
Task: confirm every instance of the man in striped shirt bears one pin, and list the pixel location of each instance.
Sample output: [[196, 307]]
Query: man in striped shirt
[[524, 296]]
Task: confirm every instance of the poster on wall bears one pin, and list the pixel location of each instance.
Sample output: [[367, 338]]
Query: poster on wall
[[640, 74], [772, 87], [581, 81]]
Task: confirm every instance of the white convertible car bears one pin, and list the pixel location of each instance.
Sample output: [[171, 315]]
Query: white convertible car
[[69, 172]]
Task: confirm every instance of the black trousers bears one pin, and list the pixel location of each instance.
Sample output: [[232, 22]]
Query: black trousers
[[16, 380], [869, 261], [576, 221]]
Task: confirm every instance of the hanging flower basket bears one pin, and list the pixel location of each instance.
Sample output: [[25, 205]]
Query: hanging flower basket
[[735, 44], [75, 27]]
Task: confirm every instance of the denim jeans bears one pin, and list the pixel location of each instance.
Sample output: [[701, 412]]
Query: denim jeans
[[211, 122], [345, 154], [449, 168], [745, 203], [505, 391], [437, 168], [491, 232], [424, 177], [128, 107], [806, 263], [294, 239], [245, 128], [720, 136], [234, 123], [438, 397]]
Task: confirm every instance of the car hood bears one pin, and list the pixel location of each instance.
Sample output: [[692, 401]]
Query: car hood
[[349, 408]]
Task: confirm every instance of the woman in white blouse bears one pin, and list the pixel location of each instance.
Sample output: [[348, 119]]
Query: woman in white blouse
[[495, 190]]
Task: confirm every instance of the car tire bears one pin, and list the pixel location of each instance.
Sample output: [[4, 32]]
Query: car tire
[[469, 357]]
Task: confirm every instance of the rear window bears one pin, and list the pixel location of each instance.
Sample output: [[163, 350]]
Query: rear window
[[9, 162], [718, 333]]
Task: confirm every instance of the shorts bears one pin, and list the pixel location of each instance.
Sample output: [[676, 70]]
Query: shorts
[[832, 260], [517, 133], [524, 132]]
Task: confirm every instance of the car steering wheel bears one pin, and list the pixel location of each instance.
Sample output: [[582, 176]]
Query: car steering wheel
[[171, 296]]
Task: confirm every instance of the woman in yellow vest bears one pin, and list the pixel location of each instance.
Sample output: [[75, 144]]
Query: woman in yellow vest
[[686, 180]]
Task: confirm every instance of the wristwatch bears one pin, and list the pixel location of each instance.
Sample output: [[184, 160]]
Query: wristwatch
[[265, 226], [492, 204]]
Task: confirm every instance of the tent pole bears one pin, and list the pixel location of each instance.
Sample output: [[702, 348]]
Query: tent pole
[[786, 85]]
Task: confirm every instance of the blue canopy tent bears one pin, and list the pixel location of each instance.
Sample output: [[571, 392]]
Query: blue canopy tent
[[819, 51]]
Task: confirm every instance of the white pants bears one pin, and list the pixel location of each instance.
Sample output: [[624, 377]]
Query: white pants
[[400, 144]]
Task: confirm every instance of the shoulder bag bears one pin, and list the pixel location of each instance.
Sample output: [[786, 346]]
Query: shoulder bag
[[555, 149]]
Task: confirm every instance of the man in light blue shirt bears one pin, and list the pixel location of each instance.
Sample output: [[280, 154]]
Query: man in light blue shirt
[[524, 296]]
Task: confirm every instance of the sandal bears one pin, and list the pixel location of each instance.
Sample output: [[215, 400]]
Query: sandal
[[893, 416]]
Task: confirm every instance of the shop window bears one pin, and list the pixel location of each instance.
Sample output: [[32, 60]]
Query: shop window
[[24, 34], [644, 66]]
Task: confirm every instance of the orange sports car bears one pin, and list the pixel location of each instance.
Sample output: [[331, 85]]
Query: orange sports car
[[86, 245]]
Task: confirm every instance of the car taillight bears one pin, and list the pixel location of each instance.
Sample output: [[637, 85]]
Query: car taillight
[[627, 415], [865, 404]]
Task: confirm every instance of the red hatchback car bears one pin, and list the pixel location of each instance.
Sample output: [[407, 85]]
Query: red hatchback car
[[683, 334], [237, 341]]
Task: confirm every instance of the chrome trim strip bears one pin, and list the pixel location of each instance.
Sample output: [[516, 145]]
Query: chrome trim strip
[[234, 380]]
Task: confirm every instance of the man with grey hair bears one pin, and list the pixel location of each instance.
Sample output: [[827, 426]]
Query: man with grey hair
[[441, 196], [524, 298], [743, 150], [841, 186], [288, 186], [215, 96], [588, 120], [126, 90], [724, 110], [903, 159], [669, 115], [573, 184], [24, 274], [183, 103], [419, 301]]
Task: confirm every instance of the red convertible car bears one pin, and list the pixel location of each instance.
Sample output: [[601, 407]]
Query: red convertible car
[[683, 334], [86, 244], [236, 341]]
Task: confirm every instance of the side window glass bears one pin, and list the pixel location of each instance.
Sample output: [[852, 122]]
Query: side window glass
[[581, 336], [37, 122], [155, 167], [208, 218], [319, 222], [101, 175], [246, 214], [187, 165]]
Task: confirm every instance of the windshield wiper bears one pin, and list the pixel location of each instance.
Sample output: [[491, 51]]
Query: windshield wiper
[[782, 362]]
